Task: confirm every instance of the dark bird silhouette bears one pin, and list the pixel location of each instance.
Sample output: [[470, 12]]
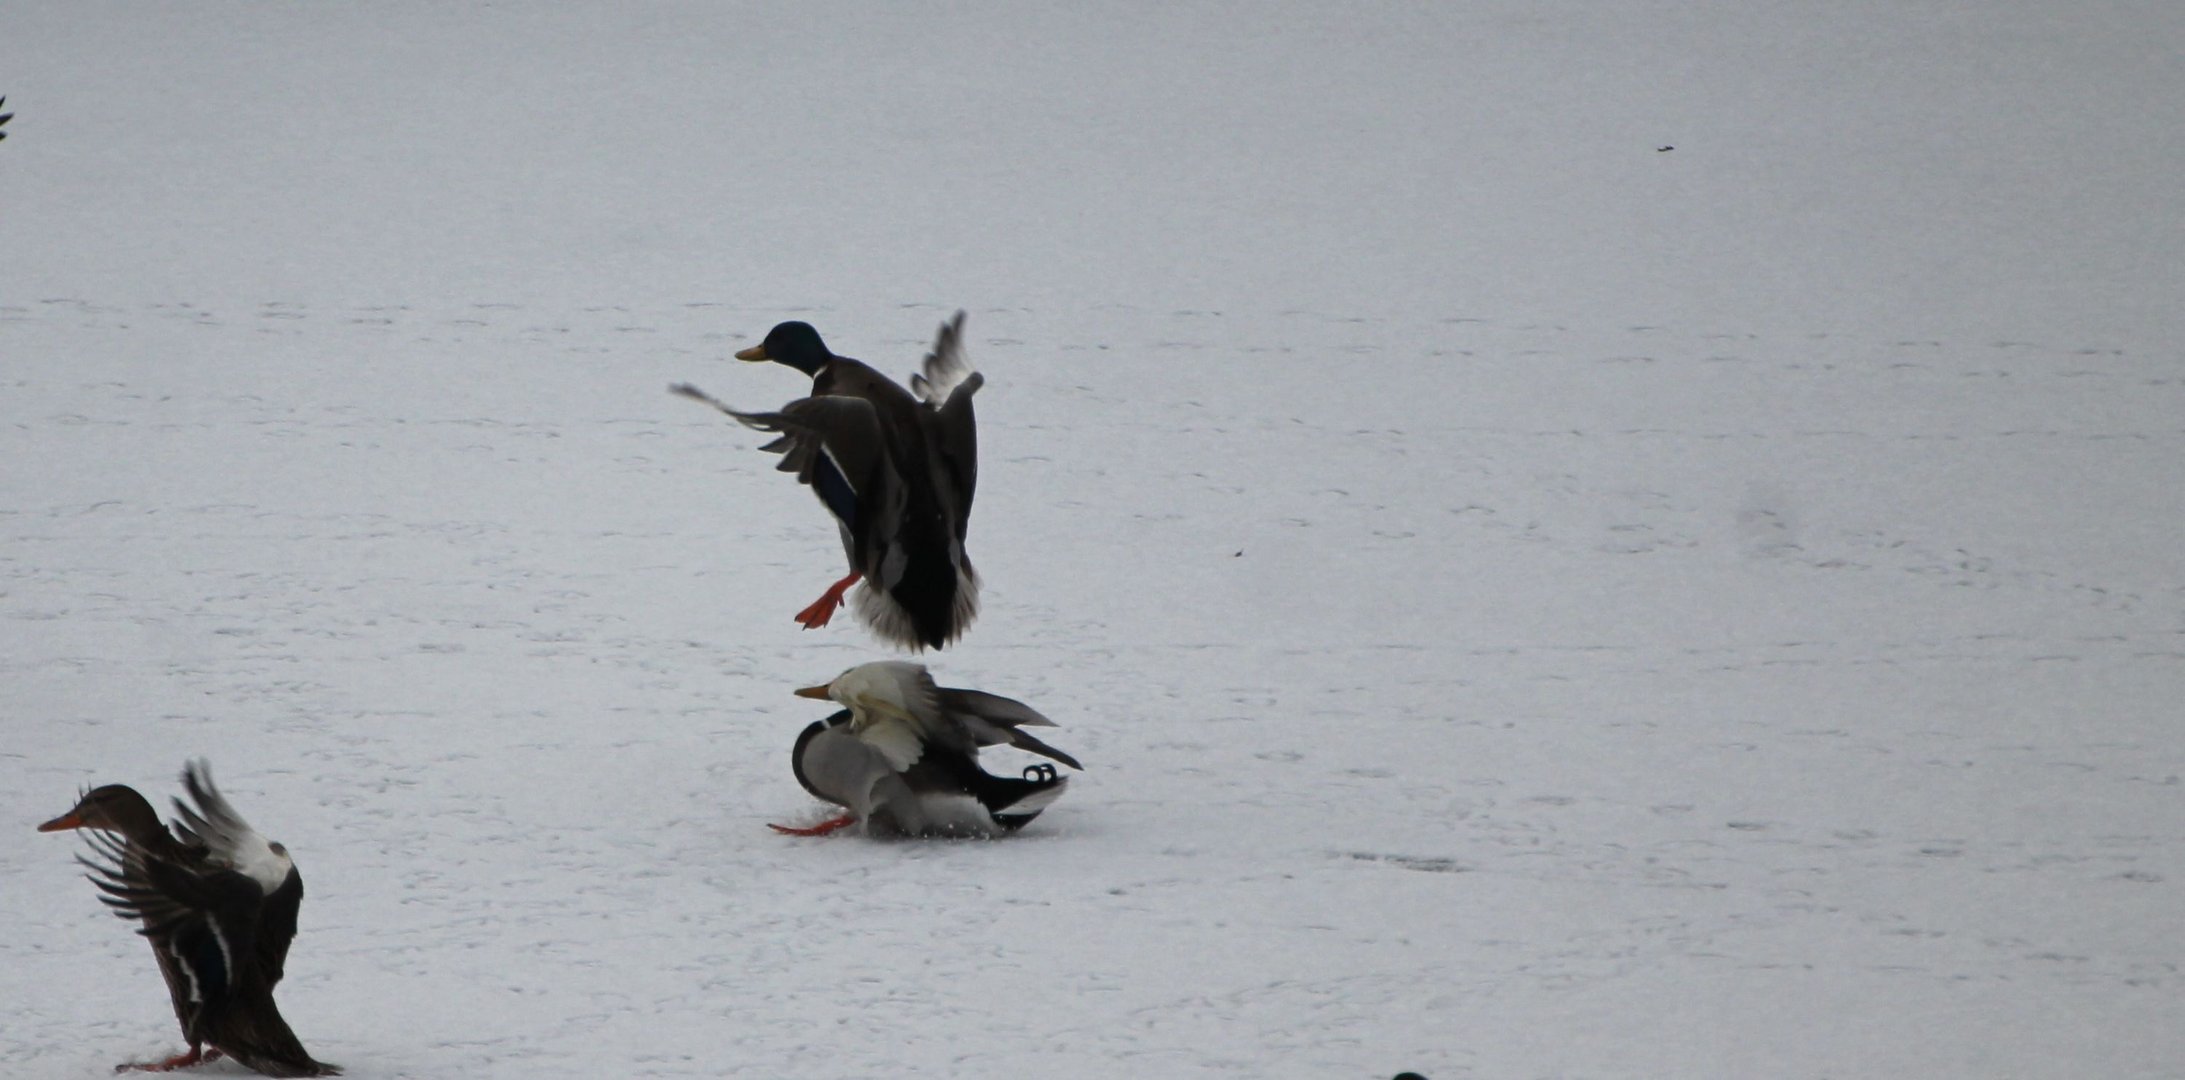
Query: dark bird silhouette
[[217, 901], [896, 468]]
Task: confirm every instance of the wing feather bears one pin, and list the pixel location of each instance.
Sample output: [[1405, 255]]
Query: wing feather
[[946, 384], [229, 840], [833, 443], [945, 366], [205, 924], [994, 720]]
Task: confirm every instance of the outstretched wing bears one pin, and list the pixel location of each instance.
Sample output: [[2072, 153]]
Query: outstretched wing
[[946, 385], [203, 924], [945, 366], [833, 443], [229, 840], [994, 720], [231, 844]]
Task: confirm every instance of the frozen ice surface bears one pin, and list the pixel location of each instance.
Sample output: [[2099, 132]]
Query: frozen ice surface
[[1606, 541]]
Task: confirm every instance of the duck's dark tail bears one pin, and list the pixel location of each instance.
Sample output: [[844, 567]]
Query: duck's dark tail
[[253, 1033], [1015, 801], [928, 607]]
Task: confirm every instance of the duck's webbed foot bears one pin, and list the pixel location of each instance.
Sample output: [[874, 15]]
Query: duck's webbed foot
[[197, 1055], [821, 829], [823, 609]]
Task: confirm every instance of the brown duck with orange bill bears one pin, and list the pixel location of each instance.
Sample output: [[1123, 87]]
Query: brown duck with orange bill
[[218, 903]]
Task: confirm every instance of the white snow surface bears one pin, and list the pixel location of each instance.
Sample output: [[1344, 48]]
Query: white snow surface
[[1632, 540]]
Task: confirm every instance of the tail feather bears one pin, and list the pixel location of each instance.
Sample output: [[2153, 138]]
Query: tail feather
[[926, 622], [258, 1037], [1014, 802]]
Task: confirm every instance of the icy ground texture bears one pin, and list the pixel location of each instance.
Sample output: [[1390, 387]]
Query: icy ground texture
[[1532, 604]]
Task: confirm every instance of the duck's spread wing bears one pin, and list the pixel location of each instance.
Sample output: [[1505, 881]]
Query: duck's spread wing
[[993, 708], [231, 844], [953, 434], [936, 722], [896, 741], [204, 923], [833, 443], [210, 925], [945, 366], [229, 841], [994, 720], [277, 927], [946, 385]]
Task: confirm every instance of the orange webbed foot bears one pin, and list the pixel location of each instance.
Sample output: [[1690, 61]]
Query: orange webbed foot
[[823, 609], [821, 829], [195, 1056]]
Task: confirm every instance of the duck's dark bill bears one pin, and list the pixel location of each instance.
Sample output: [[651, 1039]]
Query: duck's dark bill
[[756, 352]]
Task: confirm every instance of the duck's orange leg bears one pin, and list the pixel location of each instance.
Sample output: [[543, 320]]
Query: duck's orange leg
[[821, 829], [823, 609], [197, 1055]]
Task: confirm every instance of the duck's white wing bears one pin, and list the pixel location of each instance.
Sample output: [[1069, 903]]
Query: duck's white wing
[[232, 844], [229, 840]]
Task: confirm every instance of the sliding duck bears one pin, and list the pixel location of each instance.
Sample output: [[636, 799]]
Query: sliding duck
[[895, 467], [902, 757], [218, 903]]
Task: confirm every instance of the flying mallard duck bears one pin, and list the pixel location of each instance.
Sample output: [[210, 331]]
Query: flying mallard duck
[[895, 469], [218, 903], [903, 757]]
